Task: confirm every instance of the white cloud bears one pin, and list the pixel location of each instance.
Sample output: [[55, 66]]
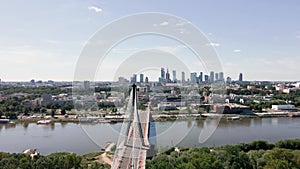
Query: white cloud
[[213, 44], [165, 23], [94, 8], [236, 51]]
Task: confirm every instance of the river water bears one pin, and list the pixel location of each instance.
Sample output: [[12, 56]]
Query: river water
[[85, 138]]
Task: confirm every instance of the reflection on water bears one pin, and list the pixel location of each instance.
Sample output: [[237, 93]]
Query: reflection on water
[[25, 125], [73, 137]]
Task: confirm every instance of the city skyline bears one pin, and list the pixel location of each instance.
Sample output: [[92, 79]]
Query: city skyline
[[166, 76], [260, 39]]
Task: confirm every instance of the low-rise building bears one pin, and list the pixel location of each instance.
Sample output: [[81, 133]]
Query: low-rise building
[[283, 107], [231, 108]]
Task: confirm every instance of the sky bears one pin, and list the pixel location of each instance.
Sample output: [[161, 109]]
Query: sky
[[43, 40]]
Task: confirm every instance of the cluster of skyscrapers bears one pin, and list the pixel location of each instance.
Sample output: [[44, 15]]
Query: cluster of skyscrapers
[[194, 78], [142, 79], [165, 77]]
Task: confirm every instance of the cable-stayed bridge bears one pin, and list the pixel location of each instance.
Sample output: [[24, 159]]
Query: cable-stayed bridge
[[133, 143]]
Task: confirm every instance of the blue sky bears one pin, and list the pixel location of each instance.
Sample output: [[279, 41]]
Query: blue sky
[[43, 39]]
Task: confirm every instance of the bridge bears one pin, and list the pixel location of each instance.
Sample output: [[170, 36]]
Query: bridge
[[133, 143]]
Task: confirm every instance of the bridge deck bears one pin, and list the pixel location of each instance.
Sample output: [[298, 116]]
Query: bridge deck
[[132, 153]]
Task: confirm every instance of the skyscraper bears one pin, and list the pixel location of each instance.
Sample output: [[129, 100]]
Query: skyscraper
[[211, 76], [162, 78], [228, 79], [182, 77], [122, 80], [146, 80], [86, 84], [168, 76], [162, 73], [206, 78], [142, 78], [221, 76], [133, 78], [174, 76], [241, 77], [216, 76], [201, 77], [194, 77]]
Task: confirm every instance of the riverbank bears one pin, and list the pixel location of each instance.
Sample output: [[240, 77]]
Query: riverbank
[[256, 154], [157, 118]]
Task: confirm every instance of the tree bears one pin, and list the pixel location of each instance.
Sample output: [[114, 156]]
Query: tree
[[43, 110], [278, 158], [293, 144], [63, 112], [141, 106], [256, 158], [114, 109], [53, 112], [278, 164]]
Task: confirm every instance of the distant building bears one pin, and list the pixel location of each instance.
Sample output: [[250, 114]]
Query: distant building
[[240, 77], [182, 77], [200, 77], [231, 108], [206, 78], [50, 82], [86, 85], [228, 79], [46, 98], [142, 78], [166, 106], [211, 77], [194, 77], [168, 79], [146, 80], [174, 76], [287, 90], [216, 77], [283, 107], [133, 78], [221, 76], [122, 80], [162, 73]]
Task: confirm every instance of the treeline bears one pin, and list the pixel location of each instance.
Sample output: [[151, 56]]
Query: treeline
[[293, 96], [12, 106], [53, 90], [278, 98], [256, 155], [248, 92], [283, 154], [52, 161]]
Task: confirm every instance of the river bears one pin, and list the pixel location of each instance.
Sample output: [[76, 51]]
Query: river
[[85, 138]]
